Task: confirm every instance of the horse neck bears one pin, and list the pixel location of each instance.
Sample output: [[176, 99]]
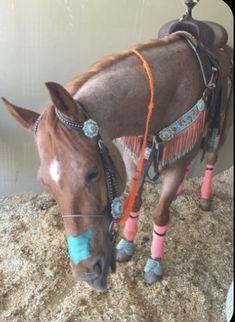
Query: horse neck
[[118, 97], [112, 98]]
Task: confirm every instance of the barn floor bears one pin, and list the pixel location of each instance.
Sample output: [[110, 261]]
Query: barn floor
[[36, 283]]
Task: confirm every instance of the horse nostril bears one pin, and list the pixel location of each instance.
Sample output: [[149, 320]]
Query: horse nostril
[[97, 267]]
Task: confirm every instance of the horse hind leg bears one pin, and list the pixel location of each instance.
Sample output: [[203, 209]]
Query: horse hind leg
[[172, 177], [206, 188]]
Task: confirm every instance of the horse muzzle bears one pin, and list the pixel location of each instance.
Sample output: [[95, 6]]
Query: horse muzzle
[[95, 273]]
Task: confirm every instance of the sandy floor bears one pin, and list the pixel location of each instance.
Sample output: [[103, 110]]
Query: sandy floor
[[36, 282]]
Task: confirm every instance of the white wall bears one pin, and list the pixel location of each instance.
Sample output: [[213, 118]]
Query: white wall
[[43, 40]]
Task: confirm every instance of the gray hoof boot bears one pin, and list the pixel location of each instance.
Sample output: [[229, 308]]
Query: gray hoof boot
[[125, 250], [153, 271], [205, 204]]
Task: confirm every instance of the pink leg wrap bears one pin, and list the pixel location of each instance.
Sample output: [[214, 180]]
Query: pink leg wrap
[[182, 185], [206, 189], [157, 247], [130, 229]]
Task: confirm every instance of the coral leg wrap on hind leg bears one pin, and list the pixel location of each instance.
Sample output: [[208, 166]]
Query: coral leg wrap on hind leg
[[206, 189], [130, 229], [157, 247]]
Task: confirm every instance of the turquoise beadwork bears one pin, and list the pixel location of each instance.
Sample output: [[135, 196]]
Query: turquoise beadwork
[[183, 122]]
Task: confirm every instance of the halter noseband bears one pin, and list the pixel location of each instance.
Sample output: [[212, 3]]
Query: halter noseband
[[90, 129]]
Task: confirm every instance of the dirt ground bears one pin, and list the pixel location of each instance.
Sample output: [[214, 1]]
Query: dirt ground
[[36, 283]]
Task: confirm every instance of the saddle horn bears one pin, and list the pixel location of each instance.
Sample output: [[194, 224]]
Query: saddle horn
[[190, 4]]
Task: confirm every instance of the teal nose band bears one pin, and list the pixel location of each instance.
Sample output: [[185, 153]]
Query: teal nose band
[[79, 246]]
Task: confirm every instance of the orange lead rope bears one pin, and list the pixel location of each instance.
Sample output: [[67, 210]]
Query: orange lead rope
[[129, 202]]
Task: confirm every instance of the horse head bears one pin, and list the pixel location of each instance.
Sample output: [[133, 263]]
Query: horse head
[[75, 169]]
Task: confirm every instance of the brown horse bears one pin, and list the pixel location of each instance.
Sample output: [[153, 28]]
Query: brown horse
[[75, 166]]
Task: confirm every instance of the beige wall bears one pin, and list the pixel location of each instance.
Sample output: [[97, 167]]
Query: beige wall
[[44, 40]]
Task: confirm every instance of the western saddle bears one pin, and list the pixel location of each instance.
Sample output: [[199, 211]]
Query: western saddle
[[210, 34]]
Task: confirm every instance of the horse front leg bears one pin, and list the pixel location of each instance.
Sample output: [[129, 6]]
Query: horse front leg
[[125, 248], [206, 188], [129, 164], [181, 187], [172, 177]]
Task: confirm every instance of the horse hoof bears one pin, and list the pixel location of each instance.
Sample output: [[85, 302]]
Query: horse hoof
[[205, 204], [125, 250], [152, 271]]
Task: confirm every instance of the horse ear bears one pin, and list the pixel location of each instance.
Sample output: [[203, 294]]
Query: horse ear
[[62, 99], [25, 117]]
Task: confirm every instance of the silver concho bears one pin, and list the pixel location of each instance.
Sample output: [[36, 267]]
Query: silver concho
[[147, 153], [116, 207], [200, 105], [166, 134], [90, 128]]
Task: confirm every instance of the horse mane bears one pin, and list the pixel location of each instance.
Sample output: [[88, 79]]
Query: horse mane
[[109, 60]]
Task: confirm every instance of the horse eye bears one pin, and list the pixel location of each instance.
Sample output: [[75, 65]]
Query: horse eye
[[91, 175]]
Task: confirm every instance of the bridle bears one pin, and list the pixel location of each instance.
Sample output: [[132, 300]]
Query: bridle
[[90, 129]]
